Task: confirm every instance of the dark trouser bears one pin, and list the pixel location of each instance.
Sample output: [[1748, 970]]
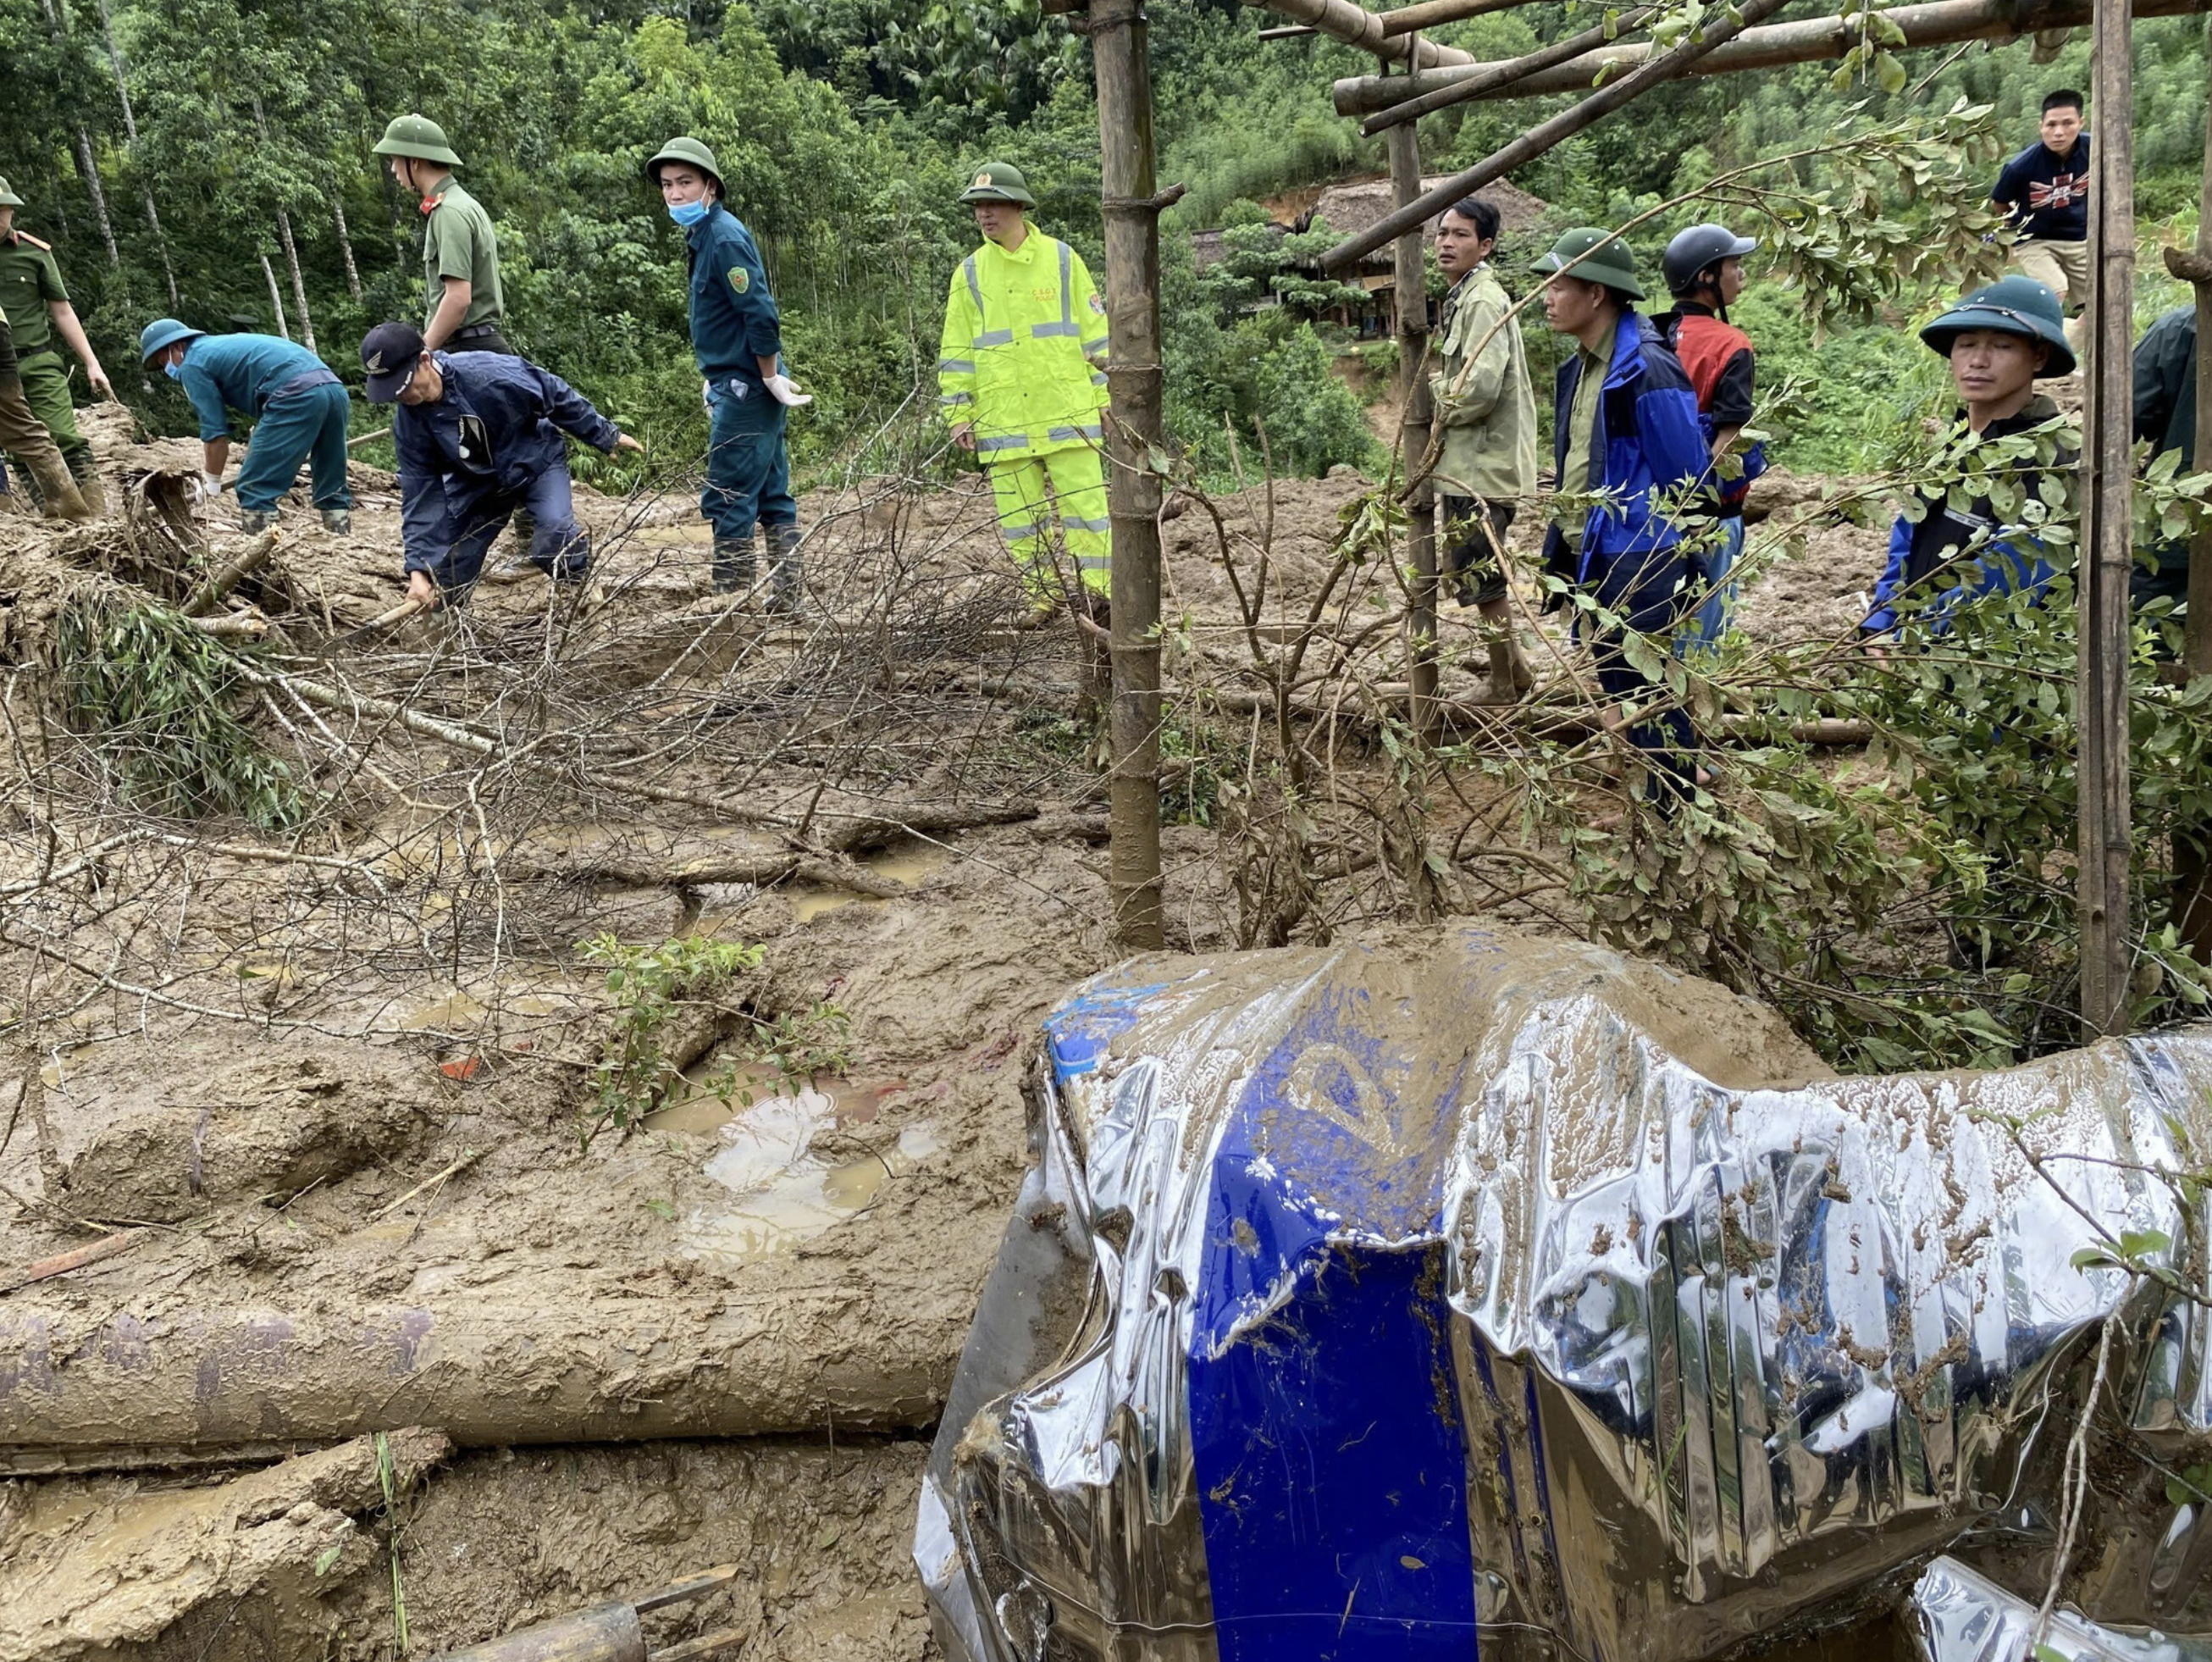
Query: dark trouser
[[1474, 549], [558, 545], [748, 468], [306, 426], [1648, 592]]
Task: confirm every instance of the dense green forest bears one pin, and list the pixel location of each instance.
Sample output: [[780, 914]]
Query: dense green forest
[[192, 155]]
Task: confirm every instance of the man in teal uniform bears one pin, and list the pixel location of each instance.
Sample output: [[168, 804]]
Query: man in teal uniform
[[297, 405], [736, 338], [37, 303]]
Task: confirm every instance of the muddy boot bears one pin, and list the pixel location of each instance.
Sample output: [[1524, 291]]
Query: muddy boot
[[786, 582], [338, 521], [94, 494], [62, 498], [252, 521], [1510, 677], [734, 564]]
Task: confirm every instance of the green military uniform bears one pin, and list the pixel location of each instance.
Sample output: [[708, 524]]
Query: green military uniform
[[24, 436], [30, 281], [458, 241]]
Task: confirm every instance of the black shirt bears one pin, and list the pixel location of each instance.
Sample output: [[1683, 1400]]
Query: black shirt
[[2048, 194]]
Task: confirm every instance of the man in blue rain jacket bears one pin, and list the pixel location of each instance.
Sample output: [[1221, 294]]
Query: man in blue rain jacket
[[1626, 424], [479, 436]]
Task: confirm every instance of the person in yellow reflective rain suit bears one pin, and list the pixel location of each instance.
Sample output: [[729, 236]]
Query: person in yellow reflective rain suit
[[1018, 377]]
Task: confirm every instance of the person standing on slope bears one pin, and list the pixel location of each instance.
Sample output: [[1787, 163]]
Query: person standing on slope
[[737, 337], [1486, 410], [1020, 378], [1625, 431], [1703, 267], [37, 308]]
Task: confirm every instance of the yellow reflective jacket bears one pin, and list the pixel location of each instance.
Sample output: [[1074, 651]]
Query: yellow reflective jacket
[[1024, 335]]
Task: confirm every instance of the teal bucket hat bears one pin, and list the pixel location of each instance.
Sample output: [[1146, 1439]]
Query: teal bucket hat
[[164, 332], [2012, 306]]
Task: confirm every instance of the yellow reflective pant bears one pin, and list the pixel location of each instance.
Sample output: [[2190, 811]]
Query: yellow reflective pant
[[1028, 489]]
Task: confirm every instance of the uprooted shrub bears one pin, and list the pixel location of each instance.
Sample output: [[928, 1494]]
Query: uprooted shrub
[[161, 697]]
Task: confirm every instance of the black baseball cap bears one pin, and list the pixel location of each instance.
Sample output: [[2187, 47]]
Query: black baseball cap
[[390, 352]]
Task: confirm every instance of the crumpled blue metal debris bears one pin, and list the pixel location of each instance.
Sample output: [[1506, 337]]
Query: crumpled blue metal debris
[[1473, 1294]]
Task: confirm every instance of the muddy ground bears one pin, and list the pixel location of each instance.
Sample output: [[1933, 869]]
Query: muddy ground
[[316, 1116]]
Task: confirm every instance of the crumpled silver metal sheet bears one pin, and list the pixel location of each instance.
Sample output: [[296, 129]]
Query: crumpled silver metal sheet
[[1961, 1617], [1482, 1293]]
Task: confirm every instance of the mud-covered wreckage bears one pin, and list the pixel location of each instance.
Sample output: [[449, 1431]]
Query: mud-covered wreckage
[[1372, 1301]]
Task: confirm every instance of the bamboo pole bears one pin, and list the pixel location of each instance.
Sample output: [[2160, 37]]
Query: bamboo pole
[[1411, 290], [1427, 16], [1136, 433], [1537, 140], [2192, 870], [1488, 79], [1356, 26], [1940, 24], [2101, 775]]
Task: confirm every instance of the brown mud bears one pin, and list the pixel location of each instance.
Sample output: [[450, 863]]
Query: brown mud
[[340, 1193]]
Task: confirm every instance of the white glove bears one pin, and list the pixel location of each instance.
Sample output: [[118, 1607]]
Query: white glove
[[706, 395], [782, 389], [211, 483]]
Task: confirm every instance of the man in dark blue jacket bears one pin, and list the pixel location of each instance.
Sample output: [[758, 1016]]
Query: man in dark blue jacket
[[737, 337], [1999, 340], [2045, 191], [479, 436], [1626, 425]]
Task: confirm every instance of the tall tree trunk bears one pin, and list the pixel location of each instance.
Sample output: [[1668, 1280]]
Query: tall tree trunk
[[1410, 295], [291, 248], [86, 168], [345, 247], [299, 285], [131, 131], [276, 297]]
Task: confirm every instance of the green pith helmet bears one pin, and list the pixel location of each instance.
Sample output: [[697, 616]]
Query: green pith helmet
[[161, 334], [418, 137], [2011, 305], [1000, 181], [1612, 262], [8, 197], [691, 151]]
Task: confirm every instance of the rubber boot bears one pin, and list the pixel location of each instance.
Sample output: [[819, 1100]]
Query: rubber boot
[[734, 564], [63, 500], [252, 521], [573, 562], [94, 494], [338, 521], [786, 582], [1510, 675]]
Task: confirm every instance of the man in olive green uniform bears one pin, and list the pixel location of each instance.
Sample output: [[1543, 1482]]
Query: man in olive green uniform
[[37, 303], [462, 305], [460, 252]]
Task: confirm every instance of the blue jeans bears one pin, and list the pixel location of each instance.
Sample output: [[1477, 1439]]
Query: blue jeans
[[748, 468], [1720, 594], [559, 547], [306, 426]]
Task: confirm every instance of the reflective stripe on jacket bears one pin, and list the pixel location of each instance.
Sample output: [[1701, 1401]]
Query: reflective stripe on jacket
[[1024, 339]]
